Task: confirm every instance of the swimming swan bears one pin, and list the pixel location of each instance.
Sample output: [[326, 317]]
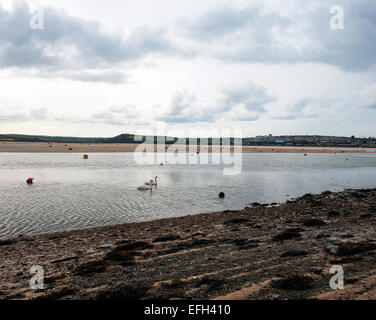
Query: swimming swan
[[151, 182], [142, 188]]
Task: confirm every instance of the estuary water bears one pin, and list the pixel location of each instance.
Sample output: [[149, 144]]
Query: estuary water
[[72, 193]]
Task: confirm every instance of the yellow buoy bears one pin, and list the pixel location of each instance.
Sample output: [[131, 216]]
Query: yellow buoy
[[86, 156]]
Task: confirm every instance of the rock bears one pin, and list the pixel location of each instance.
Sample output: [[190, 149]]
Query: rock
[[54, 237], [134, 245], [236, 221], [358, 195], [168, 237], [333, 213], [59, 293], [53, 279], [313, 223], [88, 268], [317, 271], [351, 280], [245, 244], [7, 242], [315, 203], [65, 259], [194, 243], [350, 248], [321, 235], [294, 253], [287, 235], [122, 292], [331, 248], [347, 235], [125, 254], [294, 283], [211, 283]]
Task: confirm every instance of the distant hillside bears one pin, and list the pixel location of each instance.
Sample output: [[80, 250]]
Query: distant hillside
[[28, 138], [313, 140], [123, 138]]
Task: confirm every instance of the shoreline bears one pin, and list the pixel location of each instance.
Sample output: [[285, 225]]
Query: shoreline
[[41, 147], [282, 251]]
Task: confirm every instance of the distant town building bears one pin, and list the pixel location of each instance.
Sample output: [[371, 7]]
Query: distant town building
[[305, 140]]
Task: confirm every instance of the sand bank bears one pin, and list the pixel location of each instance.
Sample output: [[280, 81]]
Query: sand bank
[[97, 147]]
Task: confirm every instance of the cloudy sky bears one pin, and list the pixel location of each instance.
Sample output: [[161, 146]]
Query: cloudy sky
[[101, 68]]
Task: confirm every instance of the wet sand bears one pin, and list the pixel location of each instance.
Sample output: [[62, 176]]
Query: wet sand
[[260, 252], [97, 147]]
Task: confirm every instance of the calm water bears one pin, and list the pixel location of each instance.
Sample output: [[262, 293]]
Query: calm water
[[72, 193]]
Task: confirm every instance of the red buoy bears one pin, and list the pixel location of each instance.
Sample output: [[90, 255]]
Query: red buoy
[[30, 180]]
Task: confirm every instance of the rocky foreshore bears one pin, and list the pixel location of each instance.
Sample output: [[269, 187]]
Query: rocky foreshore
[[261, 252]]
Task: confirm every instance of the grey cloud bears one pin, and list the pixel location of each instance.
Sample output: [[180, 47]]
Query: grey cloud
[[304, 108], [87, 76], [118, 115], [221, 22], [253, 98], [238, 104], [184, 108], [68, 43], [283, 117], [368, 96], [39, 114], [114, 115], [251, 35], [13, 115]]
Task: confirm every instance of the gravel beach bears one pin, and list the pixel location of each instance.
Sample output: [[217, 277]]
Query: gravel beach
[[265, 251]]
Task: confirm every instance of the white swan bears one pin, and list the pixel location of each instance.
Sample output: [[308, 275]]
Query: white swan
[[151, 182], [144, 188]]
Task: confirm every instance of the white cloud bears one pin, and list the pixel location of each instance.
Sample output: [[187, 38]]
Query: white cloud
[[275, 60], [368, 95]]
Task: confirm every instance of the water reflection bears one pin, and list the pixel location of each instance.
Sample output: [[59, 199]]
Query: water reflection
[[70, 193]]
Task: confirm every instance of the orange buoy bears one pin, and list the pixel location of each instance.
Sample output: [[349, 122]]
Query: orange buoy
[[85, 156]]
